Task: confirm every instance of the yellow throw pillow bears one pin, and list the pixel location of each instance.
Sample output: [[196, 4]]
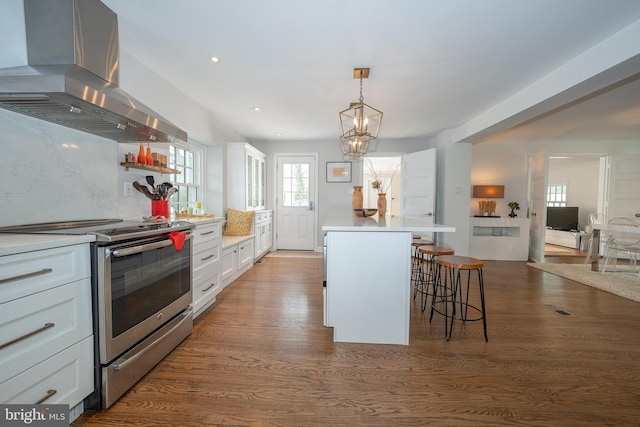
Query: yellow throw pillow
[[238, 223]]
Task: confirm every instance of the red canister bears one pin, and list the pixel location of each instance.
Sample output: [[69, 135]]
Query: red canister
[[160, 208]]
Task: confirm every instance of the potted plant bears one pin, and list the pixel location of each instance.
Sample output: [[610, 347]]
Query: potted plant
[[514, 206]]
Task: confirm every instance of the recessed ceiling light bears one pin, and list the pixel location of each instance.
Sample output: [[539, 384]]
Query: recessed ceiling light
[[214, 59], [256, 108], [278, 134]]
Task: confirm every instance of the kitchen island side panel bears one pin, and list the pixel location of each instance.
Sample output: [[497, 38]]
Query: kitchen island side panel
[[368, 286]]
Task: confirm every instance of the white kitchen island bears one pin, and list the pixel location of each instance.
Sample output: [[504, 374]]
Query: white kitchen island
[[368, 289]]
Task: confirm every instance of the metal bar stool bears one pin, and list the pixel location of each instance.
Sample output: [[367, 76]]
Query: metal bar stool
[[427, 271], [450, 285], [416, 259]]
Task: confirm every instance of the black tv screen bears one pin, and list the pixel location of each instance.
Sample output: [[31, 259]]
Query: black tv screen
[[565, 219]]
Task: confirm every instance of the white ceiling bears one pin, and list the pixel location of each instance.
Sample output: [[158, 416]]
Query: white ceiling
[[435, 64]]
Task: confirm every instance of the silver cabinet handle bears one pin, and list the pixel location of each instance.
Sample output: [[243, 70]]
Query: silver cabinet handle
[[49, 394], [27, 335], [206, 258], [26, 276], [208, 287], [206, 232]]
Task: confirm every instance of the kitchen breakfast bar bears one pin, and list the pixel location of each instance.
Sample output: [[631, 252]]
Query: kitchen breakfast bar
[[368, 276]]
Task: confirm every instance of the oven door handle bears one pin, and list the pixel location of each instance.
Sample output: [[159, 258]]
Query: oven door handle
[[142, 248]]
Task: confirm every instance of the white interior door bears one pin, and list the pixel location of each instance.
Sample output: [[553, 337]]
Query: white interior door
[[622, 197], [418, 187], [295, 205], [537, 201]]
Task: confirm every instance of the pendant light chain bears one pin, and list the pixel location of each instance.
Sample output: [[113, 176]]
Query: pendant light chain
[[361, 97]]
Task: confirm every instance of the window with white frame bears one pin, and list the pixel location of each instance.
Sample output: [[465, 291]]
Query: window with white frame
[[295, 184], [557, 195], [188, 161]]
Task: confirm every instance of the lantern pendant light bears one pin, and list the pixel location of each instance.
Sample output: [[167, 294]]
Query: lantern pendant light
[[360, 123]]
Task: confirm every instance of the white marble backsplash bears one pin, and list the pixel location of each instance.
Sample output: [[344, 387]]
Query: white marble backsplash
[[53, 173]]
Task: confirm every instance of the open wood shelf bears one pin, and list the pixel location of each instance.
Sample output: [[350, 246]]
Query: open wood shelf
[[162, 170]]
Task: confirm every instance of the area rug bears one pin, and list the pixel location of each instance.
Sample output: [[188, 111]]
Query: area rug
[[556, 250], [623, 284]]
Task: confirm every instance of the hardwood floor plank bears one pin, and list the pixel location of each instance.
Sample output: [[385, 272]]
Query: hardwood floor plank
[[261, 357]]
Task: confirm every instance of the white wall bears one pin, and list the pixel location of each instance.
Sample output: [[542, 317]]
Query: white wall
[[52, 173], [504, 162], [500, 164], [581, 180], [453, 191], [332, 197]]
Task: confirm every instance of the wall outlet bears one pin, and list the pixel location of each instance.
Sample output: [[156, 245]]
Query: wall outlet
[[128, 189]]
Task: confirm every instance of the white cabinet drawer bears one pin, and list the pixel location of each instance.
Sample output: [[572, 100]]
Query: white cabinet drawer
[[27, 273], [67, 377], [36, 327], [206, 232], [205, 291], [205, 253], [206, 270]]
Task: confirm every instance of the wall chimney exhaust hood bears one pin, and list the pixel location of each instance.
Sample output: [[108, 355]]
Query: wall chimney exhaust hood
[[72, 76]]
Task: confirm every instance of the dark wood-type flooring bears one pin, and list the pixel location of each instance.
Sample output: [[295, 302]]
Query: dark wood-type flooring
[[261, 357]]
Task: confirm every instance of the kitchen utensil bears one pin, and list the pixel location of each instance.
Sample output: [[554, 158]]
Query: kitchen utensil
[[144, 190], [151, 181], [161, 191], [171, 191]]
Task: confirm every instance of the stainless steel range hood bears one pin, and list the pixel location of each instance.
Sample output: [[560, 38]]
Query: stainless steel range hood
[[72, 76]]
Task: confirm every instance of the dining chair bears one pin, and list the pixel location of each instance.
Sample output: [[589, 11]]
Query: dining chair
[[623, 235], [594, 218]]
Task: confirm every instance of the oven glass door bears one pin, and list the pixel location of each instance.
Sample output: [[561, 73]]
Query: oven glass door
[[145, 285]]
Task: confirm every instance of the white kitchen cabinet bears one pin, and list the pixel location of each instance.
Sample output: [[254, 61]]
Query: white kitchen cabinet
[[245, 254], [263, 226], [207, 264], [46, 333], [237, 257], [499, 238], [246, 177]]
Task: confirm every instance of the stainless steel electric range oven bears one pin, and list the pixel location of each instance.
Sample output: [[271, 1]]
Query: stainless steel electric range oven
[[142, 294]]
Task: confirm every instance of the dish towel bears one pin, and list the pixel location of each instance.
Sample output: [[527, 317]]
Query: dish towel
[[177, 237]]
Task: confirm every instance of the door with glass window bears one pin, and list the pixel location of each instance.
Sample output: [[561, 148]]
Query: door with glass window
[[295, 207]]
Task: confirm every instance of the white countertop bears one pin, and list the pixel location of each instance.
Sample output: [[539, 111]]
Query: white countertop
[[201, 220], [388, 223], [18, 243]]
